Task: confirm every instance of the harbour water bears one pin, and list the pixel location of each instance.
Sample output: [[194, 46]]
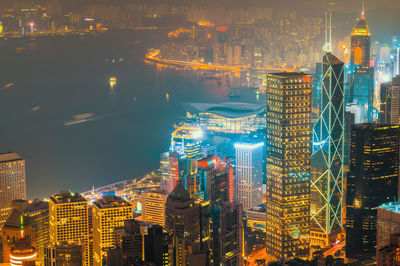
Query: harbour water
[[58, 110]]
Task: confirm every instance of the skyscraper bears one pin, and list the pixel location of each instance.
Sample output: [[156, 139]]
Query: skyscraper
[[129, 241], [12, 185], [249, 174], [371, 181], [172, 166], [216, 179], [362, 86], [361, 44], [153, 209], [108, 213], [327, 160], [228, 249], [288, 164], [69, 221], [183, 222], [158, 246]]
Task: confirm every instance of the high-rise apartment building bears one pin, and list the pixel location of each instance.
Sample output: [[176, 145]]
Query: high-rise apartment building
[[109, 213], [69, 221], [288, 164], [371, 181], [327, 160], [249, 174], [12, 182], [153, 207]]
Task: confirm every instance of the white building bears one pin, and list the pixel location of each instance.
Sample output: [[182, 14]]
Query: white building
[[249, 174]]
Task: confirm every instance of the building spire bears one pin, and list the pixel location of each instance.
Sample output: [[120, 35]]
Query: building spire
[[363, 10], [328, 29]]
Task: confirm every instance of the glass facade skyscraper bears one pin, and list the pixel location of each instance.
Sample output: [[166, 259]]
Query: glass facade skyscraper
[[288, 164], [328, 154], [372, 181]]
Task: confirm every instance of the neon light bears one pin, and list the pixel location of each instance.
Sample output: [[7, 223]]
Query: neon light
[[248, 146], [23, 258]]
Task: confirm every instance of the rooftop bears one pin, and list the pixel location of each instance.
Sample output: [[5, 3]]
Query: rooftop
[[109, 201], [361, 29], [226, 109], [9, 157], [288, 74], [391, 206], [260, 208], [67, 197]]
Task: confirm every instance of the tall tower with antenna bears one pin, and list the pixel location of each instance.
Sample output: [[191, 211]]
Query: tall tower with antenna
[[362, 90], [327, 161], [361, 42]]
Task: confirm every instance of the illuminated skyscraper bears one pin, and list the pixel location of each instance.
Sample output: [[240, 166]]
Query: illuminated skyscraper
[[288, 164], [362, 86], [172, 166], [108, 213], [372, 181], [153, 209], [327, 160], [361, 44], [187, 139], [69, 221], [12, 182], [249, 174], [216, 179]]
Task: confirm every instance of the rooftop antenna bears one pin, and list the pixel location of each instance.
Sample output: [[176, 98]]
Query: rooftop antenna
[[328, 29], [363, 10]]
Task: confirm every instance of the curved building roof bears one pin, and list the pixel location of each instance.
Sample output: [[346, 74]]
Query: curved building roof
[[226, 109]]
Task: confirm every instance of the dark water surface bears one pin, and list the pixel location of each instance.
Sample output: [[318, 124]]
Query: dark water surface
[[68, 76]]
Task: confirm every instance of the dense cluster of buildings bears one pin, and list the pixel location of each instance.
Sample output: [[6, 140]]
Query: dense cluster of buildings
[[314, 172]]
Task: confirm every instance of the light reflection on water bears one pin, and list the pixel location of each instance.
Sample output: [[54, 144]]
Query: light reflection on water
[[69, 76]]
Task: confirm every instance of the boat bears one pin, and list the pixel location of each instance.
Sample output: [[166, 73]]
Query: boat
[[82, 118], [113, 82]]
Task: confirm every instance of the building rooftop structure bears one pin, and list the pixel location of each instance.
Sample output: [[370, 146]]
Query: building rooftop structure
[[391, 206], [361, 28], [9, 157], [110, 201], [230, 110], [67, 197]]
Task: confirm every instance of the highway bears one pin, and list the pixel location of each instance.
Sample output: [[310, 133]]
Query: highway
[[153, 56]]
